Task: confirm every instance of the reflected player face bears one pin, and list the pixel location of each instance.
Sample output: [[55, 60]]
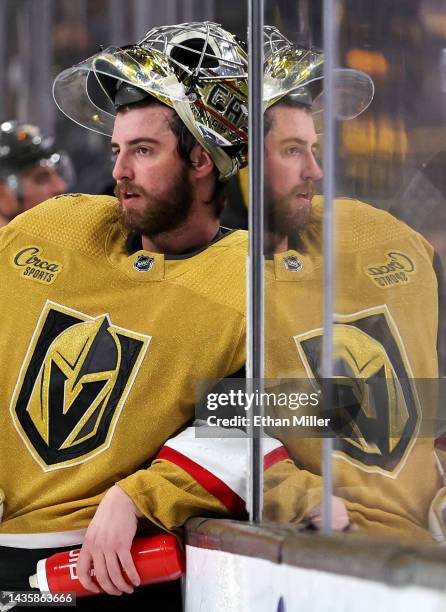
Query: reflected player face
[[152, 182], [290, 169]]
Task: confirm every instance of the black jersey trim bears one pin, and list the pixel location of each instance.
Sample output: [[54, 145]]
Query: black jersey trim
[[133, 244]]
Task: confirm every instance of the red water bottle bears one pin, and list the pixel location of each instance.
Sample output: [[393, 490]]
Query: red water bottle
[[157, 558]]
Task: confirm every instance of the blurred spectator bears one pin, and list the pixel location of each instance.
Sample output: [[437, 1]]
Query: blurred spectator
[[31, 169], [71, 41]]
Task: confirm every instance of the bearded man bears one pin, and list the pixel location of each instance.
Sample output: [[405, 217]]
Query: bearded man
[[126, 303]]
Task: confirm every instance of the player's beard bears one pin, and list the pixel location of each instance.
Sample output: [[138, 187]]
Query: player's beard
[[284, 216], [160, 213]]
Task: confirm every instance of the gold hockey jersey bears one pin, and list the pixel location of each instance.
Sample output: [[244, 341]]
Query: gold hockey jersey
[[385, 332], [101, 351]]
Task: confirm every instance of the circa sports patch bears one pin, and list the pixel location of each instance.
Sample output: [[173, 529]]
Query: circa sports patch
[[74, 381], [396, 269], [34, 265]]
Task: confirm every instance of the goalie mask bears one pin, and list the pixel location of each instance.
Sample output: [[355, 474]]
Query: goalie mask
[[198, 69], [292, 70]]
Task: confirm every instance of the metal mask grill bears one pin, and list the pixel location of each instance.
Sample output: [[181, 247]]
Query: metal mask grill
[[274, 41], [203, 50]]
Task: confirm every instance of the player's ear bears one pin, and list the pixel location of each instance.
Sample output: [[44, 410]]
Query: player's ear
[[201, 161]]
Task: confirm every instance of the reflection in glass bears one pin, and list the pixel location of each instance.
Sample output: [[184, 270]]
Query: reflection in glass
[[385, 471]]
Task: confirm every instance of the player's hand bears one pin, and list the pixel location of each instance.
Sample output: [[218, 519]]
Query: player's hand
[[107, 545], [339, 515]]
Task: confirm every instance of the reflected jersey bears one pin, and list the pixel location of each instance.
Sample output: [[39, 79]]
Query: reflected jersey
[[385, 333]]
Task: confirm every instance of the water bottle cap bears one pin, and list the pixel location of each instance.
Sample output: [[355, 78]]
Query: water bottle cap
[[33, 582], [39, 579]]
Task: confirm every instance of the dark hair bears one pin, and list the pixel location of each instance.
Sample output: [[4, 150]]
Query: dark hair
[[185, 143], [289, 101]]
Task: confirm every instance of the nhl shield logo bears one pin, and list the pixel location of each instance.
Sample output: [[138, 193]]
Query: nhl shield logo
[[73, 385], [292, 263], [144, 263]]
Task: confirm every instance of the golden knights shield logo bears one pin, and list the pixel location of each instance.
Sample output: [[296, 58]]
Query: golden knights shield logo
[[73, 385], [376, 412]]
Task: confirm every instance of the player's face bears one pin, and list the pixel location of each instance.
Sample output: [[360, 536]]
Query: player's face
[[9, 205], [39, 183], [291, 169], [152, 182]]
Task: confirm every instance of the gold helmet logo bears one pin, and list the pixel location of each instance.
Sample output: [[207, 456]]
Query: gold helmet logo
[[371, 393], [375, 411], [78, 372]]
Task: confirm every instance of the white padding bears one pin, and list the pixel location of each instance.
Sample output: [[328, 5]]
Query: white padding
[[226, 458], [52, 539]]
